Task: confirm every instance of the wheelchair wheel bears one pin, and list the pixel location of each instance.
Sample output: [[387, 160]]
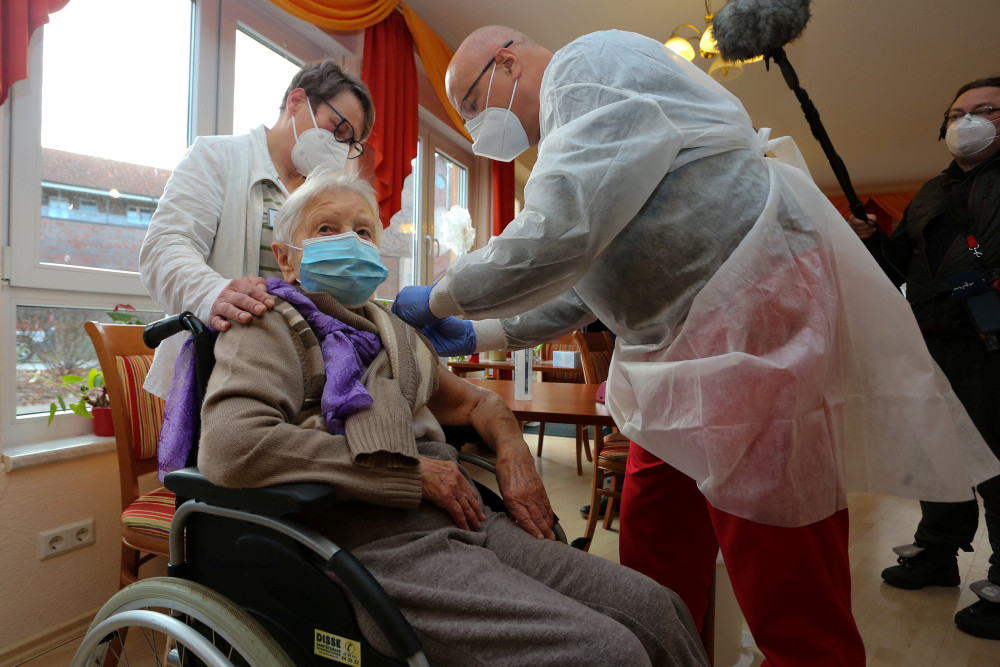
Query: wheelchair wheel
[[168, 621]]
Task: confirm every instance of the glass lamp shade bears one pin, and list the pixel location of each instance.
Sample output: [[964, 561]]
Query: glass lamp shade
[[707, 44], [724, 70], [681, 47]]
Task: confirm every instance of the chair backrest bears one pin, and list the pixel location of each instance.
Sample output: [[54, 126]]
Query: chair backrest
[[595, 354], [138, 415], [563, 343]]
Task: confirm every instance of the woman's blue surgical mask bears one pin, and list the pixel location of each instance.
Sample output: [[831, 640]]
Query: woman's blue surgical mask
[[345, 266]]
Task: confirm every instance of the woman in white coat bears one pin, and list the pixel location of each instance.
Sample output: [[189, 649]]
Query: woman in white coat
[[208, 247]]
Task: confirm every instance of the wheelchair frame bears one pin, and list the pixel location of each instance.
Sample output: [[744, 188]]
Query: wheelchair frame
[[213, 598]]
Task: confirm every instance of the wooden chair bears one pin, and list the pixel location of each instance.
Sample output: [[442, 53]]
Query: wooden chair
[[563, 343], [137, 415], [610, 452]]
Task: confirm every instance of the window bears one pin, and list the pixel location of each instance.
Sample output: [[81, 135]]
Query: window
[[51, 344], [117, 91], [447, 216], [400, 238], [440, 210], [261, 79]]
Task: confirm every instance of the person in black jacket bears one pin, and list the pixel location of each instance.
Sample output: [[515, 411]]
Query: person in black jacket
[[947, 251]]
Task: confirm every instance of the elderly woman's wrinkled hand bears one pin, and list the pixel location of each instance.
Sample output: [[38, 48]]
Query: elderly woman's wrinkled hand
[[524, 494], [445, 486]]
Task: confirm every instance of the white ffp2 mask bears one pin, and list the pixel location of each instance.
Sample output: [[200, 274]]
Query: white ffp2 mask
[[496, 132], [970, 135], [317, 146]]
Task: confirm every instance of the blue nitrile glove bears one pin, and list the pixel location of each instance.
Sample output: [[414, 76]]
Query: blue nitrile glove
[[412, 305], [451, 336]]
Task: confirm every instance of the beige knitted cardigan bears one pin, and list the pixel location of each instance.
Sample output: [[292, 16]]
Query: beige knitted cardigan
[[261, 423]]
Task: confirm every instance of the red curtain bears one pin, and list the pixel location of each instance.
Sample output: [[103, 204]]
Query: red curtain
[[503, 195], [888, 207], [18, 21], [390, 71]]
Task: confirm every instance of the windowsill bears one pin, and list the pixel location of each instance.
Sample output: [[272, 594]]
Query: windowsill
[[51, 451]]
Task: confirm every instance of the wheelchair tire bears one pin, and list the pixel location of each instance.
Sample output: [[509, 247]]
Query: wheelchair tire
[[153, 607]]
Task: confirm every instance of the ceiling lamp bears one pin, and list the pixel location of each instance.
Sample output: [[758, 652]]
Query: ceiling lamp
[[723, 70], [680, 45], [720, 70]]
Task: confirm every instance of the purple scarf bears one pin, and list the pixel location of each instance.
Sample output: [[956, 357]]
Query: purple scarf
[[347, 352]]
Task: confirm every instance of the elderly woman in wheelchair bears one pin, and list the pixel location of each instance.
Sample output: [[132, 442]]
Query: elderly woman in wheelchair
[[330, 387]]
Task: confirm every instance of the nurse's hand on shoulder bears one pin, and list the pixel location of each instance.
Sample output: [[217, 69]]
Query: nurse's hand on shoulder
[[239, 301], [863, 228], [412, 305]]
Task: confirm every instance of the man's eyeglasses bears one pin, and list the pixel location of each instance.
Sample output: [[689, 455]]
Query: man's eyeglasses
[[982, 112], [466, 108], [344, 133]]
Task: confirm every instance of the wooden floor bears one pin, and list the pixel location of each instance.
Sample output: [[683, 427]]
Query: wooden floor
[[900, 628]]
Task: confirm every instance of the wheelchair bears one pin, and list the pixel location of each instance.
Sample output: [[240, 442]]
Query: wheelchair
[[248, 580]]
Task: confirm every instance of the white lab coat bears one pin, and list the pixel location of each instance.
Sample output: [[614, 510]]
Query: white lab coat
[[205, 232], [760, 349]]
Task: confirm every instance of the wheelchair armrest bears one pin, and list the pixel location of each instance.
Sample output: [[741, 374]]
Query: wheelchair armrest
[[274, 501]]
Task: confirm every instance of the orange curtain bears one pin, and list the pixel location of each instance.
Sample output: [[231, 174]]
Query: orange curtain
[[341, 14], [360, 14], [390, 72], [503, 195], [435, 57], [18, 21], [888, 207]]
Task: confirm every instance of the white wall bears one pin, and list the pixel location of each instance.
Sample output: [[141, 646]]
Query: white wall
[[35, 595]]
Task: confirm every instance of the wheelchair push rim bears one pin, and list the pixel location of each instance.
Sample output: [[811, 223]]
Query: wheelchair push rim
[[168, 621]]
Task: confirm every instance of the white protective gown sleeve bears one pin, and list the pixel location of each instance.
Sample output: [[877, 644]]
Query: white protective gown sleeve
[[760, 350], [558, 317]]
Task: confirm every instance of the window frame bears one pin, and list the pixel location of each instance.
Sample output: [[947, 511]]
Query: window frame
[[438, 137], [26, 280]]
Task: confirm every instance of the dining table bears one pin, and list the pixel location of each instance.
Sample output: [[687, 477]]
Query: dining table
[[567, 373], [553, 402]]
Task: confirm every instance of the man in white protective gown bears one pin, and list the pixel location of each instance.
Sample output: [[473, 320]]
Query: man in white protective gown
[[764, 365]]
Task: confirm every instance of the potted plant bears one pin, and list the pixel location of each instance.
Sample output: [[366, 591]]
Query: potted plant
[[88, 396]]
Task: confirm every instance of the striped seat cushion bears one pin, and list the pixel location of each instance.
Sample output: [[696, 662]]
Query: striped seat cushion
[[615, 447], [150, 514], [615, 452], [144, 410]]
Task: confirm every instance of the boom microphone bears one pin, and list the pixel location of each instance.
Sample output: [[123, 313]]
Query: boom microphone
[[745, 29]]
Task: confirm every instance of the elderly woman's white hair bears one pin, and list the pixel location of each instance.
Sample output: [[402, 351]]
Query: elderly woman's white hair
[[323, 181]]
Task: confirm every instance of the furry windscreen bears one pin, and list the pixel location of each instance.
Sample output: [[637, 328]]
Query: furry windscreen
[[745, 29]]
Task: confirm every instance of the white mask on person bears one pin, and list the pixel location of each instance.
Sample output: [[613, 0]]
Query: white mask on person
[[970, 135], [317, 146], [497, 133]]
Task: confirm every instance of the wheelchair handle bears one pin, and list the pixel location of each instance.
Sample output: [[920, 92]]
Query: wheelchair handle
[[377, 602], [156, 332]]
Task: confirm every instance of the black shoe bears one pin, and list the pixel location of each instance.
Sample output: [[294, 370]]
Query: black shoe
[[982, 618], [919, 567], [602, 508]]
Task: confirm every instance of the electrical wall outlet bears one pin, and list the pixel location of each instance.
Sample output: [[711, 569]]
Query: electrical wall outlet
[[72, 536]]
